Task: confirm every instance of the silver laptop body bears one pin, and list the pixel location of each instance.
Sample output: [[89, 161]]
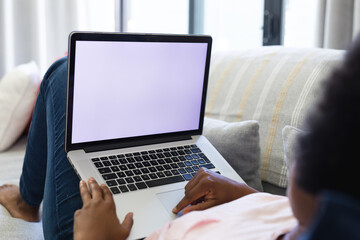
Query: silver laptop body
[[135, 112]]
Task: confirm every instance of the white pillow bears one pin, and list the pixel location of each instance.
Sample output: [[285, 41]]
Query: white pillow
[[18, 92]]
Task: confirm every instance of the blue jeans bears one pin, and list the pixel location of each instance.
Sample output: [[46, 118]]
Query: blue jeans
[[47, 176]]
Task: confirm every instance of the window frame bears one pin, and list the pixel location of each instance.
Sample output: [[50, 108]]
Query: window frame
[[273, 21]]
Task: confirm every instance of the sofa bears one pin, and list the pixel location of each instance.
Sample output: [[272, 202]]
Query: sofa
[[272, 87]]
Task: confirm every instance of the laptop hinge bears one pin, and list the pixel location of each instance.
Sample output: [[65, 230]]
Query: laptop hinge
[[112, 146]]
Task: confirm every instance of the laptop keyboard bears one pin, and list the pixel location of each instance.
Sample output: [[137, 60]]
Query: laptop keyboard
[[139, 170]]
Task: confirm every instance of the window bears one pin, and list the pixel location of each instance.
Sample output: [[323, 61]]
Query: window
[[234, 24], [156, 16], [231, 25], [299, 29]]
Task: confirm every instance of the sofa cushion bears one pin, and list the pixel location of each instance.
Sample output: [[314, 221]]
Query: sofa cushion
[[18, 92], [273, 85], [238, 143], [290, 136]]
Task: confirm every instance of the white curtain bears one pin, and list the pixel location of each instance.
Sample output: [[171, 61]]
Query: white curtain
[[338, 23], [38, 29]]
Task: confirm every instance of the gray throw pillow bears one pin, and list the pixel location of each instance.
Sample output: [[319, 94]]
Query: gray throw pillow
[[289, 136], [239, 144]]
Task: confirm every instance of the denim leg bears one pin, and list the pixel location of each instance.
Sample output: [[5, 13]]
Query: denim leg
[[47, 174]]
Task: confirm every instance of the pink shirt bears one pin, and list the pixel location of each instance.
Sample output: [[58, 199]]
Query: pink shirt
[[256, 216]]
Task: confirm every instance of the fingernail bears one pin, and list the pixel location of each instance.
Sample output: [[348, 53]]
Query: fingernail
[[91, 179], [81, 183], [174, 209]]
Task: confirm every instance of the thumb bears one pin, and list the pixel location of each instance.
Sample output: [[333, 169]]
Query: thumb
[[128, 221]]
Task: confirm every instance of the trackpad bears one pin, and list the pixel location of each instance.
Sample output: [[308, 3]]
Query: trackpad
[[170, 199]]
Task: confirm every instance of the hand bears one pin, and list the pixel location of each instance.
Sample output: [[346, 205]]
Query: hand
[[97, 219], [207, 189]]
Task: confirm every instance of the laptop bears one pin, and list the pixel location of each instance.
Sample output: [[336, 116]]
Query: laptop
[[134, 119]]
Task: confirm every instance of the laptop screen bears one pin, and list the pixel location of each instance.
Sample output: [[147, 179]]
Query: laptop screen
[[125, 89]]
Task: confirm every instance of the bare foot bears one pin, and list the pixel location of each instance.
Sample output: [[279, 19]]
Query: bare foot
[[11, 199]]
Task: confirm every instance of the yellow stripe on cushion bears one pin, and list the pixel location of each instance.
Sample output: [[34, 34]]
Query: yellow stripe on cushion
[[251, 85], [215, 93], [275, 118]]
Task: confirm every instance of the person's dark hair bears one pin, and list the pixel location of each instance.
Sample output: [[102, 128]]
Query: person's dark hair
[[328, 157]]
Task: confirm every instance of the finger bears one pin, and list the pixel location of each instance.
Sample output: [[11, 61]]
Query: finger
[[199, 206], [194, 180], [96, 191], [84, 192], [106, 193], [190, 197], [128, 221]]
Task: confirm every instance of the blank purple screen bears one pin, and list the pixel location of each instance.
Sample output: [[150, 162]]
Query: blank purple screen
[[129, 89]]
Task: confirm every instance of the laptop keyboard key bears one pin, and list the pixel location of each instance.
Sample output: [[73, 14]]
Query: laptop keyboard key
[[121, 181], [154, 163], [98, 164], [129, 180], [115, 162], [111, 183], [160, 168], [106, 163], [123, 168], [131, 166], [109, 176], [121, 174], [160, 174], [137, 179], [208, 166], [152, 169], [153, 176], [181, 164], [114, 190], [141, 185], [115, 169], [201, 161], [194, 162], [145, 177], [132, 187], [123, 188], [175, 172], [123, 161], [187, 177], [138, 159], [129, 173], [164, 181], [104, 170], [139, 165]]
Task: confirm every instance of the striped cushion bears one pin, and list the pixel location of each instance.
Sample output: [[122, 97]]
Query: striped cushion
[[273, 85]]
